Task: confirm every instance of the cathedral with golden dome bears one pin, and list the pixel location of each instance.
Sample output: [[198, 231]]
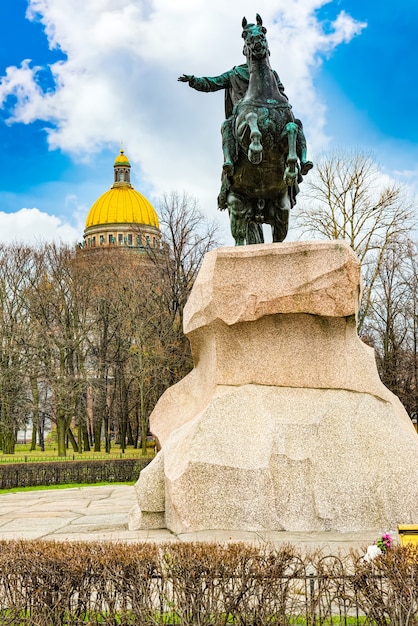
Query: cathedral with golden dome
[[122, 217]]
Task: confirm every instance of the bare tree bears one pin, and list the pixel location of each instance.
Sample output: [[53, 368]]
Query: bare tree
[[135, 349], [387, 325], [410, 396], [93, 339], [187, 235], [15, 270], [162, 357], [348, 197], [392, 324], [59, 301], [104, 272], [155, 352]]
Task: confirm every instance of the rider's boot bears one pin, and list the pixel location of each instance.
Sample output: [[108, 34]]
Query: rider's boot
[[305, 165], [223, 193]]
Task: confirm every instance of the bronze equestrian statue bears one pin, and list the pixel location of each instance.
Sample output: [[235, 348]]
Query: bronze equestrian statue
[[263, 144]]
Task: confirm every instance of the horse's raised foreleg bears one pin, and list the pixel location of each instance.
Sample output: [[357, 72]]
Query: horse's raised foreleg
[[255, 149], [291, 171]]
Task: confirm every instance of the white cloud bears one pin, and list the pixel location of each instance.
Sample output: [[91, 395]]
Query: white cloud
[[21, 83], [119, 79], [33, 226], [344, 29], [408, 178]]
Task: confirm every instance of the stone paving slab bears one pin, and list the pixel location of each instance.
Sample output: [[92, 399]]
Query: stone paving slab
[[27, 535], [108, 520], [100, 514], [222, 536]]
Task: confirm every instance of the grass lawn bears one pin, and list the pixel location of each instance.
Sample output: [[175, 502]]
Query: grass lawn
[[23, 454], [67, 486]]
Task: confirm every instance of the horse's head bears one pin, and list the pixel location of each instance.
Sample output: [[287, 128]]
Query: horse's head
[[255, 42]]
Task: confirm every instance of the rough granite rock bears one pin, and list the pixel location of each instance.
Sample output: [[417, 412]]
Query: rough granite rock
[[283, 422]]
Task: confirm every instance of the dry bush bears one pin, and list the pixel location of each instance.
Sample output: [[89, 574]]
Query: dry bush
[[214, 584], [387, 587], [185, 584]]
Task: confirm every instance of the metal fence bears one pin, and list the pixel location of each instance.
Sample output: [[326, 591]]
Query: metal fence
[[72, 456], [64, 472], [202, 585]]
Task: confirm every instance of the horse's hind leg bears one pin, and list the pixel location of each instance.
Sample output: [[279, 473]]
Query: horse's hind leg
[[255, 149], [278, 216], [254, 233], [280, 225], [239, 218]]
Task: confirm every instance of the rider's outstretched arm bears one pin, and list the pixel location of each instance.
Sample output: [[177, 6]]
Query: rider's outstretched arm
[[207, 83]]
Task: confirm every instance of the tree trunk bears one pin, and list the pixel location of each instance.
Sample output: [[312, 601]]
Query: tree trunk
[[99, 412], [33, 437], [80, 438], [136, 431], [144, 433], [130, 437], [9, 441], [41, 429], [61, 434], [123, 406], [144, 420], [72, 440], [35, 410], [97, 434], [107, 432], [8, 430]]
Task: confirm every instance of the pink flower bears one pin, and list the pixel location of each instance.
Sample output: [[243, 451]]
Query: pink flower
[[384, 542]]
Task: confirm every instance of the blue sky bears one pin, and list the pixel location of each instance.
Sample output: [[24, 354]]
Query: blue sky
[[104, 71], [372, 78]]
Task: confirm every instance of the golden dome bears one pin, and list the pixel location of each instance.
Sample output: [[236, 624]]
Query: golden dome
[[122, 159], [122, 205]]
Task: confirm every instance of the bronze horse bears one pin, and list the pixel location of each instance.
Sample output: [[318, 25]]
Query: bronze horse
[[261, 142], [262, 184]]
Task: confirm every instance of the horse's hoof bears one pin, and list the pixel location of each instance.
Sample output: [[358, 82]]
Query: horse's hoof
[[222, 203], [289, 179], [255, 157], [305, 167]]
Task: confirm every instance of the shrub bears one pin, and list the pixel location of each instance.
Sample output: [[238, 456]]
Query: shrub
[[49, 583], [64, 472]]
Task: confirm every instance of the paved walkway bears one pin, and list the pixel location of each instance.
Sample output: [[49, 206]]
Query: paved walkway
[[100, 513]]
